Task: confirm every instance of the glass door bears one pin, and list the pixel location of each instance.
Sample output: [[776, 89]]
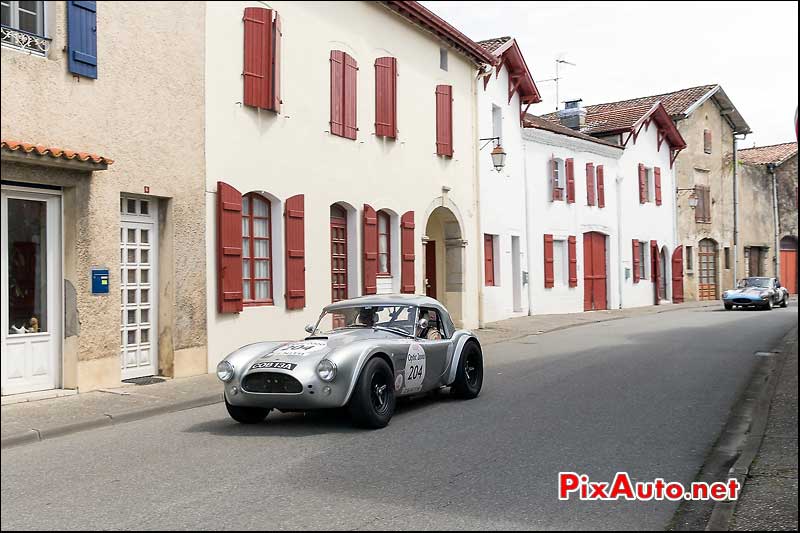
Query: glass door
[[31, 299]]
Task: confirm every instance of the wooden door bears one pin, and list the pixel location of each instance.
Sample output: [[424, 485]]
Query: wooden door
[[594, 272], [430, 269], [338, 258], [707, 258], [789, 270]]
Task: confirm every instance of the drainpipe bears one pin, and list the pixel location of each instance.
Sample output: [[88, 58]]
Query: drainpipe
[[477, 185], [620, 269], [528, 250], [777, 255], [735, 215]]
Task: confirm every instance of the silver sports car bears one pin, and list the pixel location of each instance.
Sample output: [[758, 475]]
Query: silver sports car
[[759, 292], [362, 353]]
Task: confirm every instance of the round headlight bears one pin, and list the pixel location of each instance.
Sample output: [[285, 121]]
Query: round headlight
[[225, 371], [326, 370]]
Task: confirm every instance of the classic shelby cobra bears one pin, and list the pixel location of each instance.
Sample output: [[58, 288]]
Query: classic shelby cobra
[[363, 353], [758, 292]]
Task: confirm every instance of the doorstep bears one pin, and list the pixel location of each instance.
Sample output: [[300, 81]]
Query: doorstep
[[38, 395]]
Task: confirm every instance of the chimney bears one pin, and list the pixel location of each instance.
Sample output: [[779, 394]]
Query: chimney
[[573, 115]]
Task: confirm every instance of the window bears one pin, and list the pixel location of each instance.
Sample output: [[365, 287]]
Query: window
[[707, 141], [689, 259], [384, 245], [557, 179], [24, 16], [443, 58], [560, 263], [488, 260], [497, 123], [754, 258], [702, 213], [256, 250], [643, 260], [648, 185], [727, 257]]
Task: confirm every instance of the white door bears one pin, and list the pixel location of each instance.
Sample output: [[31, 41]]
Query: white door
[[31, 296], [139, 287]]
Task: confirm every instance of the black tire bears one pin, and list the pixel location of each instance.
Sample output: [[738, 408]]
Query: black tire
[[728, 307], [768, 305], [784, 303], [373, 401], [246, 415], [469, 376]]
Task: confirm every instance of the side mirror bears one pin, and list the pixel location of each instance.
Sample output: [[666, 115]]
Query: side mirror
[[310, 328], [778, 284]]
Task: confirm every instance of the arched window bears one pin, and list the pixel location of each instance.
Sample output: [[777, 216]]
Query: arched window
[[384, 244], [256, 250]]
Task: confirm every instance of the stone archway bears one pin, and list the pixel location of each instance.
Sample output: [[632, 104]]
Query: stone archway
[[444, 261]]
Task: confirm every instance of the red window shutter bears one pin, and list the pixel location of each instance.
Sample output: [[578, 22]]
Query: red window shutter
[[601, 188], [488, 260], [407, 253], [636, 261], [294, 220], [549, 276], [258, 52], [657, 183], [337, 92], [707, 141], [573, 262], [350, 97], [370, 231], [229, 253], [570, 168], [386, 97], [677, 275], [590, 195], [277, 35], [554, 178], [642, 181], [654, 261], [444, 120]]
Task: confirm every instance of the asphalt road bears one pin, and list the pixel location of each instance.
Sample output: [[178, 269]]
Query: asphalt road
[[645, 395]]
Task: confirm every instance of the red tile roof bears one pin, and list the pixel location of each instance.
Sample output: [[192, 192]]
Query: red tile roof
[[418, 14], [761, 155], [493, 44], [54, 152], [539, 123], [509, 53]]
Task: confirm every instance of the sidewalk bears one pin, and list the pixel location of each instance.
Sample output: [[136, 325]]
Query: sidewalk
[[769, 498], [28, 422]]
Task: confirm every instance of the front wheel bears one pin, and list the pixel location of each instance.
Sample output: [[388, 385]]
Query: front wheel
[[728, 307], [768, 305], [469, 376], [373, 401], [246, 415]]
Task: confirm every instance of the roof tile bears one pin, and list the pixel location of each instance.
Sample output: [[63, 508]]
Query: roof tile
[[54, 152], [761, 155]]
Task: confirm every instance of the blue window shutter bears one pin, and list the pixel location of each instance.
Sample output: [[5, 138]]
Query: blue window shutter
[[82, 38]]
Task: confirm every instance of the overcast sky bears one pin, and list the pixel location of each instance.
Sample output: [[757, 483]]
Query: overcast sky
[[628, 49]]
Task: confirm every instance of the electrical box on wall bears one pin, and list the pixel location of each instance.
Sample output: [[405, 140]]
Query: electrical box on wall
[[100, 282]]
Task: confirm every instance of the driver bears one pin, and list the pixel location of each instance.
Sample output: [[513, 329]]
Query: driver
[[366, 317], [431, 332]]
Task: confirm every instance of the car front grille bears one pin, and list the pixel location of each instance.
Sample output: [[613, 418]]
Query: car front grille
[[271, 383], [743, 301]]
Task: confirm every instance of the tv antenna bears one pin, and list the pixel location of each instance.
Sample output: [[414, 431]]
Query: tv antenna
[[558, 62]]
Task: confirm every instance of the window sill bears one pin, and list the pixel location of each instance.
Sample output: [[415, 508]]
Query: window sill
[[259, 303], [384, 274]]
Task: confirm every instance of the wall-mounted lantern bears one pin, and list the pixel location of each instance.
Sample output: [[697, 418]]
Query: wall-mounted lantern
[[498, 154]]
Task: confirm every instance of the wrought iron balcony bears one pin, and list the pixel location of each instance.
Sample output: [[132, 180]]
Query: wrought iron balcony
[[22, 40]]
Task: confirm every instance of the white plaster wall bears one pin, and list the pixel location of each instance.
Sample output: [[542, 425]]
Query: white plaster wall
[[502, 198], [562, 219], [293, 152], [647, 221]]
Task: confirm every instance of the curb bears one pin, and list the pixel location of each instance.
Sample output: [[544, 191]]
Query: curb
[[35, 435], [723, 512]]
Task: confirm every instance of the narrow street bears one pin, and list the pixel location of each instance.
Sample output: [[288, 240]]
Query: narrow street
[[647, 395]]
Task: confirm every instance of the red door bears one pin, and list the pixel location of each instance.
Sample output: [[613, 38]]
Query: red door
[[789, 270], [430, 269], [594, 272], [338, 257]]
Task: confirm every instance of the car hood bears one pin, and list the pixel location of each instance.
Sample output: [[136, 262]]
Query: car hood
[[747, 291], [315, 348]]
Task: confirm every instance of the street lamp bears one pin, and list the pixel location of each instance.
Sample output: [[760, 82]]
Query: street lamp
[[498, 154]]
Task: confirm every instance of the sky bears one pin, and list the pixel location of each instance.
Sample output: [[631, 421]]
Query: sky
[[627, 49]]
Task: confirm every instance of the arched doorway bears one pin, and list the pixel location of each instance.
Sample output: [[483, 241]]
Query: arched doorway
[[789, 268], [339, 256], [594, 272], [444, 261], [708, 263]]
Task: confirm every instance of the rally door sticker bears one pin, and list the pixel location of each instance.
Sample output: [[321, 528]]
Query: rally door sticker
[[300, 349], [415, 368]]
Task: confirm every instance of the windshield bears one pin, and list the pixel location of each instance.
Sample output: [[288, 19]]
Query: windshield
[[763, 283], [398, 318]]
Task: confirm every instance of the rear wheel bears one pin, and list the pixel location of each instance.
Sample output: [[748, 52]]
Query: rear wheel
[[469, 376], [373, 401], [728, 307], [246, 415], [784, 302]]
